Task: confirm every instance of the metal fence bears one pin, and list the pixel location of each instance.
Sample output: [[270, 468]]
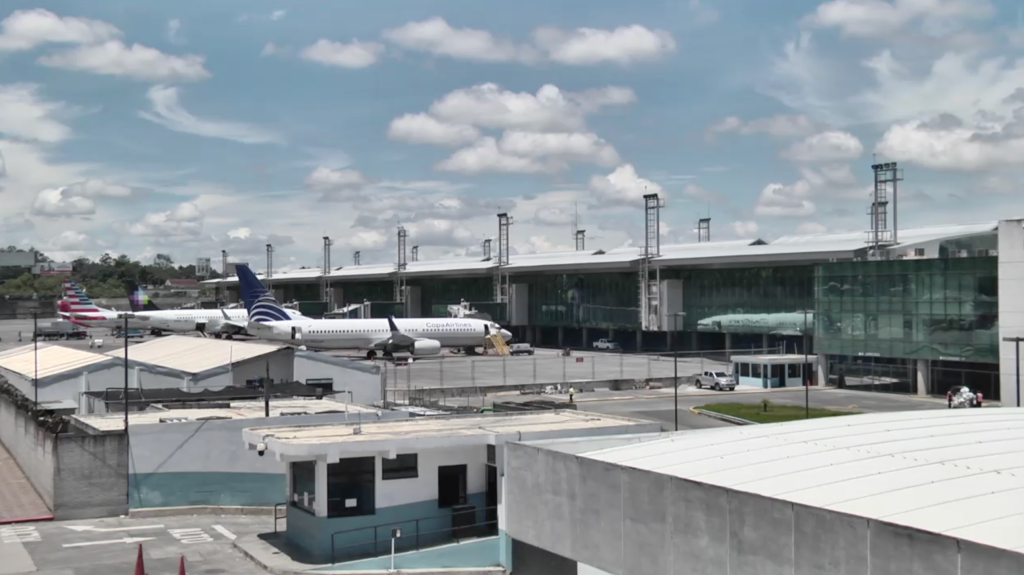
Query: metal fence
[[449, 376]]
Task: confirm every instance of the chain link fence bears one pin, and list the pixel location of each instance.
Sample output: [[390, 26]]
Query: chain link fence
[[453, 376]]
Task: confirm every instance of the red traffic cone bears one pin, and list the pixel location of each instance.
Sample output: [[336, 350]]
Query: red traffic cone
[[181, 566], [140, 568]]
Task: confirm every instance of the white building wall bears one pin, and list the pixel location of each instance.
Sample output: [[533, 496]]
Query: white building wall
[[424, 488], [1011, 305], [280, 364], [365, 387]]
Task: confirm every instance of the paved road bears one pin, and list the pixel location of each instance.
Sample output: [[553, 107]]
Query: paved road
[[56, 549]]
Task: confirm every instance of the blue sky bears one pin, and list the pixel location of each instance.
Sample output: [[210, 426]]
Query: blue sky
[[187, 128]]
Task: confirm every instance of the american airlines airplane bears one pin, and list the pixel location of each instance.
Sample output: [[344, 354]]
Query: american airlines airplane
[[792, 323], [418, 336], [78, 308], [225, 322]]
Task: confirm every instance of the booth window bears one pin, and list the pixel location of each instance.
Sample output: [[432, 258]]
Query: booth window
[[755, 370], [793, 370], [351, 487], [404, 466], [304, 485], [776, 371], [744, 370]]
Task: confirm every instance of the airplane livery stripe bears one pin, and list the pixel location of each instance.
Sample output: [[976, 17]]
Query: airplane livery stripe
[[266, 309]]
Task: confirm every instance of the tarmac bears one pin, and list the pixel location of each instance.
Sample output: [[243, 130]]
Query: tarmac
[[110, 546]]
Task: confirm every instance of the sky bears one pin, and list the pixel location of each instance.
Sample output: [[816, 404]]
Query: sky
[[186, 128]]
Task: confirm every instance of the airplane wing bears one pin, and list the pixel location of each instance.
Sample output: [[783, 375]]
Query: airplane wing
[[396, 339]]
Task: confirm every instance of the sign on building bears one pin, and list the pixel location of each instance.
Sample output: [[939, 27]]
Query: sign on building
[[203, 268], [53, 269]]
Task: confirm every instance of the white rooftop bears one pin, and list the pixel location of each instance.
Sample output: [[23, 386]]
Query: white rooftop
[[309, 441], [954, 472], [252, 409], [53, 360], [194, 354]]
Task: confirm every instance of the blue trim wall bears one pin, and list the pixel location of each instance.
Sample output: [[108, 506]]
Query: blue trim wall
[[470, 554], [176, 489], [313, 534]]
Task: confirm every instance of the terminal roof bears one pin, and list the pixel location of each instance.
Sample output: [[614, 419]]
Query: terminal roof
[[194, 354], [794, 248], [309, 441], [108, 422], [956, 472], [53, 360]]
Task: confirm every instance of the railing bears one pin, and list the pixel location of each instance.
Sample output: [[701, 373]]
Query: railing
[[279, 516], [420, 539]]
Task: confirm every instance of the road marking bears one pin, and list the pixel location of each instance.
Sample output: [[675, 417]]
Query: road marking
[[108, 542], [223, 531], [19, 534], [192, 535], [109, 529]]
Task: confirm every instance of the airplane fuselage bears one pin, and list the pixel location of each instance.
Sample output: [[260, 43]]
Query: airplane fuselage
[[368, 333]]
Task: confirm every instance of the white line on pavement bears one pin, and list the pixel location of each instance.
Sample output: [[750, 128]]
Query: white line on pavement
[[124, 540], [223, 531]]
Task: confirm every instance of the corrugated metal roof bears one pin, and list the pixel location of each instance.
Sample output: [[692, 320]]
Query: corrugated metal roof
[[53, 360], [954, 472], [193, 354]]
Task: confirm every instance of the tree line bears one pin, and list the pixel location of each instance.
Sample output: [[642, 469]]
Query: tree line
[[101, 278]]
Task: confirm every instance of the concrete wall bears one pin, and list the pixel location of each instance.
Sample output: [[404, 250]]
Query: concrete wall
[[629, 521], [1011, 306], [207, 463], [77, 477], [279, 362], [363, 380]]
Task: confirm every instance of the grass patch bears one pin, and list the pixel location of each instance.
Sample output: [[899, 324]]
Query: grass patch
[[768, 412]]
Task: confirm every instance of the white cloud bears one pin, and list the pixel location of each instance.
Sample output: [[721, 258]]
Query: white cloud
[[114, 58], [439, 232], [811, 228], [486, 156], [271, 49], [185, 219], [278, 14], [587, 46], [26, 29], [70, 241], [23, 114], [567, 146], [550, 109], [16, 223], [174, 31], [781, 200], [170, 114], [826, 147], [425, 129], [959, 148], [336, 184], [744, 229], [55, 202], [624, 186], [880, 18], [781, 125], [436, 36], [353, 55], [366, 239], [97, 189], [554, 216]]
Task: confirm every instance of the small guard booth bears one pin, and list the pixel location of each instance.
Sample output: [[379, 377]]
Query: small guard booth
[[770, 371]]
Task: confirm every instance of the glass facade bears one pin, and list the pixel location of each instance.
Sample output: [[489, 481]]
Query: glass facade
[[583, 300], [924, 309], [747, 300], [436, 294]]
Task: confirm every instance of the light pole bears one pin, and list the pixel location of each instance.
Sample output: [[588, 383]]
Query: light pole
[[127, 438], [1016, 342], [807, 379], [675, 366], [35, 354]]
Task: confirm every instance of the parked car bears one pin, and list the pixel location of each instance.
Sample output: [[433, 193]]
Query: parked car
[[607, 345], [716, 380], [520, 349]]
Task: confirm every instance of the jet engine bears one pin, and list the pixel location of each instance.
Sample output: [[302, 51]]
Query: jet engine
[[422, 347]]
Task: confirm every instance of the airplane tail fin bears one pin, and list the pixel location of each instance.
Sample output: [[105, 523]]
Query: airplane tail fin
[[138, 299], [259, 302], [76, 297]]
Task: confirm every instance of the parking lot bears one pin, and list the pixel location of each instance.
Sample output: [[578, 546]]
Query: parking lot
[[110, 546]]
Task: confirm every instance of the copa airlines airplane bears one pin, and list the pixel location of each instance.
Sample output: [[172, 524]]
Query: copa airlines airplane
[[418, 336], [226, 322]]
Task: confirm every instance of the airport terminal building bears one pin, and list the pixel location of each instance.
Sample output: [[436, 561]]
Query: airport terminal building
[[913, 312]]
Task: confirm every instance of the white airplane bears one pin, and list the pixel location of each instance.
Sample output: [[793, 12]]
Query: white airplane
[[418, 336], [79, 309], [226, 322]]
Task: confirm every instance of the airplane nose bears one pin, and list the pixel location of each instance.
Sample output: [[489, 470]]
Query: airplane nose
[[506, 334]]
